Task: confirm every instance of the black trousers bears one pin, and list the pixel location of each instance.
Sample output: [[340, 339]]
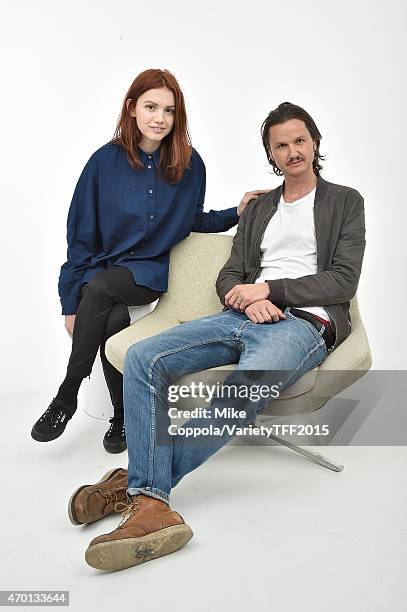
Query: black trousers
[[102, 312]]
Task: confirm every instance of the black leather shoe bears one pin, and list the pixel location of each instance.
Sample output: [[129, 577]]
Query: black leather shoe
[[114, 440], [53, 422]]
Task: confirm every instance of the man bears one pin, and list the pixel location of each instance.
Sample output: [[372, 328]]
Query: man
[[294, 266]]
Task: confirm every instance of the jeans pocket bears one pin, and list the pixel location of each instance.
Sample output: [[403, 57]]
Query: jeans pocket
[[322, 330]]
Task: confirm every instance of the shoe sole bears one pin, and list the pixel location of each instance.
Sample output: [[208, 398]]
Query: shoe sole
[[114, 447], [71, 511], [121, 554], [39, 437]]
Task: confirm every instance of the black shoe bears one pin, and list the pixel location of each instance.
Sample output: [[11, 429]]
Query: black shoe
[[114, 440], [53, 422]]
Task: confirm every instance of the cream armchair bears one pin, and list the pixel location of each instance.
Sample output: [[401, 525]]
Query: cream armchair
[[194, 267]]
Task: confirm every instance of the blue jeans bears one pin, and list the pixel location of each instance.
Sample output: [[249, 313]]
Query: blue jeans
[[289, 348]]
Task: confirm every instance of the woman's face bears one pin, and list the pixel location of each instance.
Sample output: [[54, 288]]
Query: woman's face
[[154, 114]]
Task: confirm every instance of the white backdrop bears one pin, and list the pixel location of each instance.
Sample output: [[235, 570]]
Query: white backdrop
[[65, 70]]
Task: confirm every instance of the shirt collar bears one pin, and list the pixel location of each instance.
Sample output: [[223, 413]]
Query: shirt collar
[[145, 156], [321, 188]]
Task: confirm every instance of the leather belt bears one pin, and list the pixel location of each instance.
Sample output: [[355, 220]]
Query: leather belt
[[328, 335]]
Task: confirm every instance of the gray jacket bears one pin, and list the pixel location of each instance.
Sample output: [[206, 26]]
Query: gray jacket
[[340, 236]]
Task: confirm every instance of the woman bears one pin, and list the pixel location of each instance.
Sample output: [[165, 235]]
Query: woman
[[136, 198]]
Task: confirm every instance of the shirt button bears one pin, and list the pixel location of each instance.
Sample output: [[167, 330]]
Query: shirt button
[[131, 252], [149, 156], [150, 191], [151, 216], [149, 166]]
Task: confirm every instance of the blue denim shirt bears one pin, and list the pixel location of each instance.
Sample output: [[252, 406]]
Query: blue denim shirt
[[120, 215]]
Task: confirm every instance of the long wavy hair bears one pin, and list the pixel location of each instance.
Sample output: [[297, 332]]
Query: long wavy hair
[[281, 114], [175, 149]]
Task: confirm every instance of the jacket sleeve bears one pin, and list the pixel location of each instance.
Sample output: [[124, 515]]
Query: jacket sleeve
[[81, 238], [214, 220], [233, 272], [338, 284]]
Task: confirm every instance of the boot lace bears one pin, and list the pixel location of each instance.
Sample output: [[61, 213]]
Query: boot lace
[[53, 415], [115, 497], [130, 509], [116, 426]]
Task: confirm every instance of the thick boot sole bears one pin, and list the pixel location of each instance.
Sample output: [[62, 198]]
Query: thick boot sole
[[114, 447], [71, 511], [121, 554]]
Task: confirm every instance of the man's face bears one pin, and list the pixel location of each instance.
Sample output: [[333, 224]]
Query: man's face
[[292, 147]]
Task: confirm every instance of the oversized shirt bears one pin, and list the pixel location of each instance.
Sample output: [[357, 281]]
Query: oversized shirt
[[132, 218]]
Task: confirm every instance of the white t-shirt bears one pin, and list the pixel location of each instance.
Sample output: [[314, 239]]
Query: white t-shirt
[[289, 246]]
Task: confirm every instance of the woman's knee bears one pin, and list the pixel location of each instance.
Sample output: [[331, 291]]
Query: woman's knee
[[96, 287], [117, 320]]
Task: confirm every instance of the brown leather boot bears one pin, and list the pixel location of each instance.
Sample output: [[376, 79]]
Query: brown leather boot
[[149, 529], [89, 503]]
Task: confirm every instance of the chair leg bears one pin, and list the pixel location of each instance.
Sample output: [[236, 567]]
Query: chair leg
[[306, 452]]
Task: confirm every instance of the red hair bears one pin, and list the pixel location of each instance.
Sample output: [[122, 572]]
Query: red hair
[[175, 150]]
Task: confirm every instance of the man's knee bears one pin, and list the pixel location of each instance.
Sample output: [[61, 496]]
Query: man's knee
[[138, 356], [146, 356]]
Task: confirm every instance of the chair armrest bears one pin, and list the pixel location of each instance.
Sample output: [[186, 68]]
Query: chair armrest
[[352, 354], [149, 325]]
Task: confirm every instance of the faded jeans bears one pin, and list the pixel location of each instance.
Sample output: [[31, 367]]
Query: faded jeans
[[288, 348]]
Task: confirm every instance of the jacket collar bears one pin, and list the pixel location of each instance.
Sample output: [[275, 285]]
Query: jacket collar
[[322, 187]]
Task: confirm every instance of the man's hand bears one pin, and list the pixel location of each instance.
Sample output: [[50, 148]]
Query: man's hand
[[264, 311], [69, 323], [241, 296], [250, 195]]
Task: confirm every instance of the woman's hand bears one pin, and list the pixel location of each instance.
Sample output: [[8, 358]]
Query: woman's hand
[[69, 323], [250, 195]]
